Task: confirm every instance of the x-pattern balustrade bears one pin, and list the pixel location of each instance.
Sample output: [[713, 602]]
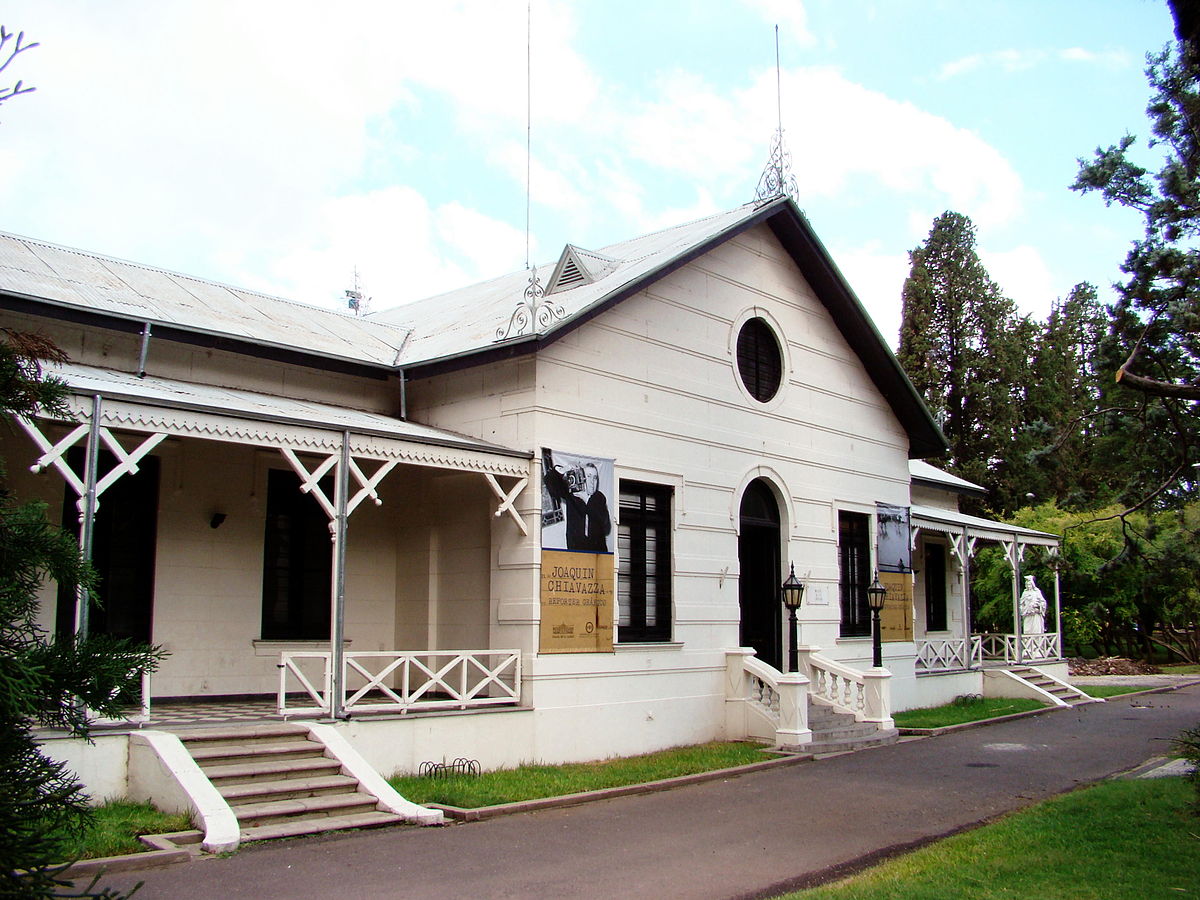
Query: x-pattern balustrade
[[400, 681], [949, 655]]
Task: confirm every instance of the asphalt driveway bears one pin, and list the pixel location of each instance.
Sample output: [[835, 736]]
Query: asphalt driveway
[[749, 836]]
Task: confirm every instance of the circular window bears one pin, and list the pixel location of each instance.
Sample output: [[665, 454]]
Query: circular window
[[759, 360]]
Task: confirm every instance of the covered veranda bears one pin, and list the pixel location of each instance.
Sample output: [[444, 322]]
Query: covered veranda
[[966, 651], [397, 589]]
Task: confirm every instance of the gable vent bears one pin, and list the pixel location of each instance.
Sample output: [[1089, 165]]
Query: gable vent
[[570, 276], [577, 267]]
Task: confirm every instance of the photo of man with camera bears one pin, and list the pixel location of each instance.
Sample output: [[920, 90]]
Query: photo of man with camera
[[574, 486]]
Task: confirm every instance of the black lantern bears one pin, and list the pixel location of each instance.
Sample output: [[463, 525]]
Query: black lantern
[[876, 596], [792, 592]]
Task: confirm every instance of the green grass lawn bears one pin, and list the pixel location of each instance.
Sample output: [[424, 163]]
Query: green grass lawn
[[963, 709], [530, 782], [115, 828], [1110, 690], [1120, 840], [1182, 669]]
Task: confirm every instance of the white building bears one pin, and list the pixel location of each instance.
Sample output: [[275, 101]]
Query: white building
[[753, 417]]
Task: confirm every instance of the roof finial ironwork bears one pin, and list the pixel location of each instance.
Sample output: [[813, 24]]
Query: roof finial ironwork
[[777, 179], [533, 313]]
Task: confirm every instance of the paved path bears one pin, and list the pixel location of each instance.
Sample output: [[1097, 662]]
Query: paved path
[[754, 835]]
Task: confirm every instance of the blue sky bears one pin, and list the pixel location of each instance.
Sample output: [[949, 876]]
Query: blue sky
[[280, 145]]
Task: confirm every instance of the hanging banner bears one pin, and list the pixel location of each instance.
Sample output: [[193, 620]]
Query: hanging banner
[[578, 535], [894, 545], [896, 617]]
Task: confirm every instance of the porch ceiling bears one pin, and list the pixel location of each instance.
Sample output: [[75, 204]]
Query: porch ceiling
[[948, 521], [237, 416]]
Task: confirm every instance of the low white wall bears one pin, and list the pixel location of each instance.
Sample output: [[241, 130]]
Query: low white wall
[[938, 690], [634, 701], [102, 766]]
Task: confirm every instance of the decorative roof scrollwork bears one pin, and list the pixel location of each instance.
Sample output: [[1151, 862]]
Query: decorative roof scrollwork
[[534, 313], [777, 179]]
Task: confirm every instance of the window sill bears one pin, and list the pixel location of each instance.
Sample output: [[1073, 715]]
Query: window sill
[[648, 645], [275, 647]]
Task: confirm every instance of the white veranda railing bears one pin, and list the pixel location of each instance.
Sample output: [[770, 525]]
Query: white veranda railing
[[950, 655], [140, 713], [773, 705], [1034, 647], [865, 694], [399, 681]]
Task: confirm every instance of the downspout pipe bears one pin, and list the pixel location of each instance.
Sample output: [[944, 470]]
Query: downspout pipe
[[141, 372]]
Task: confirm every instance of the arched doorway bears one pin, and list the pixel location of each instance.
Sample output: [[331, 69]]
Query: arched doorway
[[758, 585]]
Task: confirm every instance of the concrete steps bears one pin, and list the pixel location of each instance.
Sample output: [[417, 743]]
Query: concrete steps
[[1067, 694], [838, 732], [279, 782]]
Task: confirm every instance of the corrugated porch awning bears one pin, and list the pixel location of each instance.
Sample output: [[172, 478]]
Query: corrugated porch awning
[[166, 406], [948, 521]]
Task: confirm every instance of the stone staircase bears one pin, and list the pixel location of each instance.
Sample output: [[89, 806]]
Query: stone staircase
[[279, 782], [837, 732], [1068, 695]]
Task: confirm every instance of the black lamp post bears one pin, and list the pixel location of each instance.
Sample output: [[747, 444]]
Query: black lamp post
[[792, 592], [876, 595]]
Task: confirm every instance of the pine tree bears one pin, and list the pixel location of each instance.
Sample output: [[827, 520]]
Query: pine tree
[[964, 347], [43, 682], [1153, 350]]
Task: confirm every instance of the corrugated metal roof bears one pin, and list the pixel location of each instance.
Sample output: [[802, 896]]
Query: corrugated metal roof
[[923, 471], [464, 320], [224, 401], [982, 527], [449, 328], [86, 281]]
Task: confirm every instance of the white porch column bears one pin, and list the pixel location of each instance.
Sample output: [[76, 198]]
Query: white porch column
[[965, 561], [89, 488], [87, 514], [337, 619], [1058, 608], [1013, 551]]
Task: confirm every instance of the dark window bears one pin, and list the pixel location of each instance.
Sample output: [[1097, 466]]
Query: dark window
[[854, 555], [123, 551], [297, 563], [759, 360], [935, 587], [644, 551]]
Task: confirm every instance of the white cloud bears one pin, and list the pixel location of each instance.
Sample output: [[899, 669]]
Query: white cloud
[[491, 247], [1021, 60], [877, 278], [1024, 277], [852, 132], [390, 236], [1111, 59]]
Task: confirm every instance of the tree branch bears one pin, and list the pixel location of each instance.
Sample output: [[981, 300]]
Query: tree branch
[[1154, 386], [20, 46]]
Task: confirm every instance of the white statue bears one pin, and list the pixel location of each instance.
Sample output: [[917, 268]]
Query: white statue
[[1033, 608]]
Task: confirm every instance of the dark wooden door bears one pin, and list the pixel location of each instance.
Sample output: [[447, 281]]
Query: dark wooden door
[[758, 585]]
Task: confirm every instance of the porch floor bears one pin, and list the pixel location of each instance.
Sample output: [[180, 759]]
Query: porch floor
[[169, 716]]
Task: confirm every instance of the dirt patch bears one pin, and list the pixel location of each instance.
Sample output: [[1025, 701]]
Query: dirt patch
[[1110, 665]]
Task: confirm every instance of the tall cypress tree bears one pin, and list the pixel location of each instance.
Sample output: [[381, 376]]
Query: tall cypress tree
[[1057, 442], [964, 347]]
